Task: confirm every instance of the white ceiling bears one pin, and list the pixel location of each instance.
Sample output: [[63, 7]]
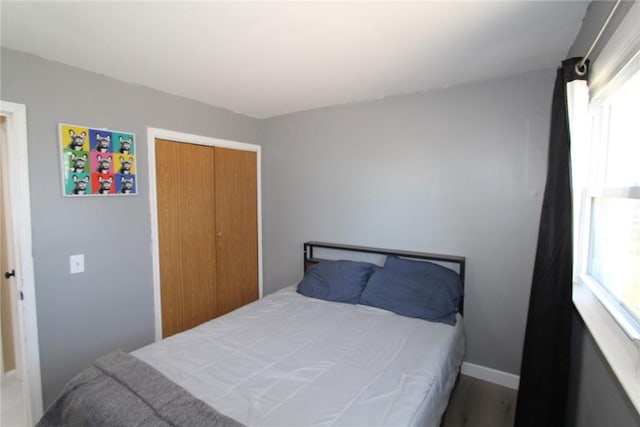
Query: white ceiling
[[270, 58]]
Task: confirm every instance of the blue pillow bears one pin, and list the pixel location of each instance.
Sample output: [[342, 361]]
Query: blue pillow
[[415, 289], [339, 281]]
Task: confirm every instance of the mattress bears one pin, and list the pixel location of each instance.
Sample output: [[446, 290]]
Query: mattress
[[290, 360]]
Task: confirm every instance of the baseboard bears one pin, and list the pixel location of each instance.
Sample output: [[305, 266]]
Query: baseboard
[[491, 375]]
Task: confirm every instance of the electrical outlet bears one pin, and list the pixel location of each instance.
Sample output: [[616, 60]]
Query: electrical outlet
[[76, 264]]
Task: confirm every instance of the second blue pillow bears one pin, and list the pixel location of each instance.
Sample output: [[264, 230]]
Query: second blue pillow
[[415, 289]]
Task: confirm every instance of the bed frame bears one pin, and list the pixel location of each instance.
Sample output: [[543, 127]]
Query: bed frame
[[310, 259]]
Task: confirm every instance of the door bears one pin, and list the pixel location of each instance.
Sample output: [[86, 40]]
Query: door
[[207, 209], [21, 402], [186, 224], [7, 305], [236, 228]]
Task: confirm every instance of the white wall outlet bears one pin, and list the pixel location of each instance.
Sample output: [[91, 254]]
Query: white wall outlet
[[76, 264]]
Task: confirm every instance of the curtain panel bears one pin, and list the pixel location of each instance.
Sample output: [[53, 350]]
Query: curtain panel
[[544, 372]]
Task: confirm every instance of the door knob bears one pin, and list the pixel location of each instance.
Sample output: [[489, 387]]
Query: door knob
[[219, 233], [8, 275]]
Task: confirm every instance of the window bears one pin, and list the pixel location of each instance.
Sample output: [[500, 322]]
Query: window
[[605, 151], [610, 243]]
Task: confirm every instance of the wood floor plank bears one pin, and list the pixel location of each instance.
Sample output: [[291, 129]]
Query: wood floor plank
[[477, 403]]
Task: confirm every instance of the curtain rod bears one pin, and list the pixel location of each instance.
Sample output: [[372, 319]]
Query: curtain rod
[[580, 68]]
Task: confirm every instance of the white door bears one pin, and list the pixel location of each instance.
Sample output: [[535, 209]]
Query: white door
[[12, 397], [21, 397]]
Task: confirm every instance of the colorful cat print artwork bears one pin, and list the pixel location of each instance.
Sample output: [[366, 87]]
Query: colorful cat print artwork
[[97, 162]]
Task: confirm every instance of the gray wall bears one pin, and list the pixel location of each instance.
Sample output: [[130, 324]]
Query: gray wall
[[595, 395], [83, 316], [459, 171], [596, 398]]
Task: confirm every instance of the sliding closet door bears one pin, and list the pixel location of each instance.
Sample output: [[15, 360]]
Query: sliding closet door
[[185, 177], [236, 203]]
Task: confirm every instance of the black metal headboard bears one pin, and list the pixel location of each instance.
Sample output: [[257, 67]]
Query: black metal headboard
[[310, 259]]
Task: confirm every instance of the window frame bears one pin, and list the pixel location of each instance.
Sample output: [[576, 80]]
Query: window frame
[[594, 188], [610, 69], [616, 336]]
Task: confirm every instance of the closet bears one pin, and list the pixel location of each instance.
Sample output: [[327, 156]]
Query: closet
[[207, 231]]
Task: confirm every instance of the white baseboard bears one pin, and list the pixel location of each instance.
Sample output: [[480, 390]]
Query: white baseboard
[[491, 375]]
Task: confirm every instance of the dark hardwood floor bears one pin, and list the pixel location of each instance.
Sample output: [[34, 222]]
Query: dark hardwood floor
[[477, 403]]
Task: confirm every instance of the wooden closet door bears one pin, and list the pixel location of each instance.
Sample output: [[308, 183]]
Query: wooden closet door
[[236, 203], [185, 175]]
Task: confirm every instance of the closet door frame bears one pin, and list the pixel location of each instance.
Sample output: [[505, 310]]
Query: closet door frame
[[180, 137]]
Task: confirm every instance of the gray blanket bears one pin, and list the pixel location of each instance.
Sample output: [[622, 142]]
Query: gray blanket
[[121, 390]]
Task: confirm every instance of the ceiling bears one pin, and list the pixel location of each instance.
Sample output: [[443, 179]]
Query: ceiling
[[269, 58]]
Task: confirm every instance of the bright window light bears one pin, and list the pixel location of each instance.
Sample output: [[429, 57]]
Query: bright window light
[[614, 250], [623, 143], [613, 243]]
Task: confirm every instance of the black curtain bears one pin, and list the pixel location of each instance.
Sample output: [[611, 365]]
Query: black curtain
[[544, 373]]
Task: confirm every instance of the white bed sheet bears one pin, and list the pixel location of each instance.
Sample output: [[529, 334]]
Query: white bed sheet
[[290, 360]]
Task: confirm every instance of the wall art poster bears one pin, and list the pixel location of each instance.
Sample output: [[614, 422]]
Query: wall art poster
[[97, 162]]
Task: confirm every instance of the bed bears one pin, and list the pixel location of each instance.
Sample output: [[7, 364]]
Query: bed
[[291, 359]]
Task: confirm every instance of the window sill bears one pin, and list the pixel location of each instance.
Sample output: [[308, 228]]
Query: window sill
[[623, 321], [620, 351]]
